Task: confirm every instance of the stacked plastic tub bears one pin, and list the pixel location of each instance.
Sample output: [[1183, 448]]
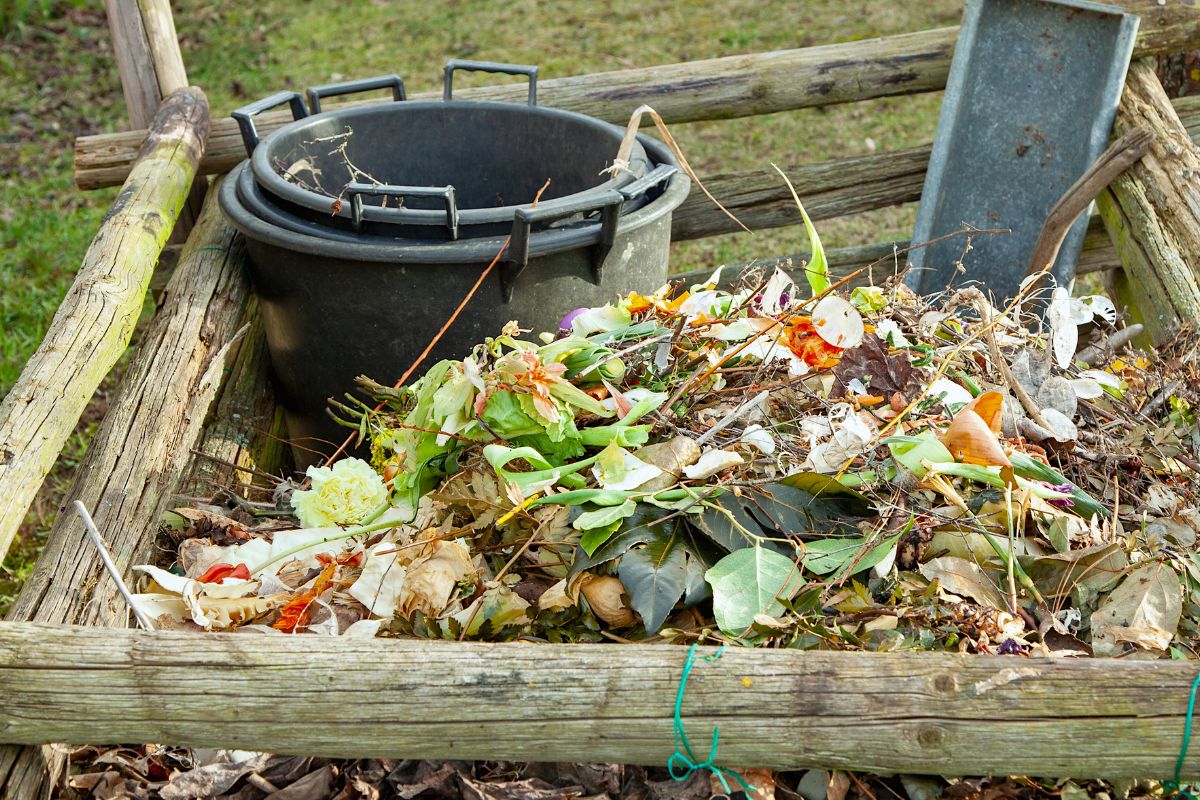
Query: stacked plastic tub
[[367, 226]]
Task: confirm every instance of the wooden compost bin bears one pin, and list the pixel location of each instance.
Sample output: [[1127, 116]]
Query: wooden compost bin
[[71, 670]]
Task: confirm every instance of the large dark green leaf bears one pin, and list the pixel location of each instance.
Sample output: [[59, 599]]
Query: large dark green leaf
[[655, 576], [701, 554], [728, 524], [644, 525], [795, 512]]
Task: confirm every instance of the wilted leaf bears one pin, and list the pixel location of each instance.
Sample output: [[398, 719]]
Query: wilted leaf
[[1057, 574], [883, 373], [1143, 610], [748, 582], [605, 594], [964, 578]]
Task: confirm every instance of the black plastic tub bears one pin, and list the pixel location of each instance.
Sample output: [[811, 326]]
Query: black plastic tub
[[426, 169], [336, 309]]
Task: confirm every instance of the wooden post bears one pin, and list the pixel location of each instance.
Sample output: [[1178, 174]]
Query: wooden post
[[94, 324], [151, 67], [933, 713], [141, 450], [1152, 211]]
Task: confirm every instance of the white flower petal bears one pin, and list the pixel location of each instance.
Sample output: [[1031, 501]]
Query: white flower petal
[[1101, 306], [889, 331], [838, 322], [739, 330], [363, 629], [772, 302], [955, 394], [313, 540], [759, 437], [1064, 332], [711, 463], [1086, 388]]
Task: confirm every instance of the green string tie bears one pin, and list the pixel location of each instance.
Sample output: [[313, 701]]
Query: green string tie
[[1174, 787], [683, 757]]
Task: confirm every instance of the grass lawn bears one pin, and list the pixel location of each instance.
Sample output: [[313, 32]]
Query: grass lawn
[[59, 79]]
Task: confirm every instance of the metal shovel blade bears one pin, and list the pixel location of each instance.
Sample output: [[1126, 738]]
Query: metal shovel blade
[[1029, 104]]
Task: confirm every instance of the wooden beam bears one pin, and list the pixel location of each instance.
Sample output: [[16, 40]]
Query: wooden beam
[[829, 189], [1152, 211], [246, 428], [783, 709], [718, 88], [94, 324], [132, 467]]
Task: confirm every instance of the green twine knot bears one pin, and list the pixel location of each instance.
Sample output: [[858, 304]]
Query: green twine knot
[[683, 757], [1174, 787]]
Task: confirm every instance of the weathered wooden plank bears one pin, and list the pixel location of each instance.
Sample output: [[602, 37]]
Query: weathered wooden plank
[[1152, 211], [246, 427], [96, 319], [760, 199], [719, 88], [134, 463], [135, 62], [785, 709]]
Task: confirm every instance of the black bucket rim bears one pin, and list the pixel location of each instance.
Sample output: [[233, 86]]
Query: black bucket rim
[[258, 203], [274, 185], [465, 251]]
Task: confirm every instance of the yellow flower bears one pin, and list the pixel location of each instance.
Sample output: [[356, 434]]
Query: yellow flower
[[343, 495]]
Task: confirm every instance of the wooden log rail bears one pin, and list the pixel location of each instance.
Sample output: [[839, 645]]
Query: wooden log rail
[[784, 709], [718, 88], [94, 324]]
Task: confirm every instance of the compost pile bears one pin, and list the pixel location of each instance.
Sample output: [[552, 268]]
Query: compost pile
[[763, 465]]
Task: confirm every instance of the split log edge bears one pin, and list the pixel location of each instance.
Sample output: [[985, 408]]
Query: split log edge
[[718, 88], [1152, 211], [95, 321], [783, 709]]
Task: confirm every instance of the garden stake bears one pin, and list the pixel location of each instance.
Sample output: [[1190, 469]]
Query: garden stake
[[94, 535]]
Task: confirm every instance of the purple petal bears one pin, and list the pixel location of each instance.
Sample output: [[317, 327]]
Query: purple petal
[[565, 324]]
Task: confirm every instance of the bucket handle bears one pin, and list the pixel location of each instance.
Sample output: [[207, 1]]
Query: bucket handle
[[643, 184], [355, 192], [245, 115], [489, 66], [392, 82], [607, 203]]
